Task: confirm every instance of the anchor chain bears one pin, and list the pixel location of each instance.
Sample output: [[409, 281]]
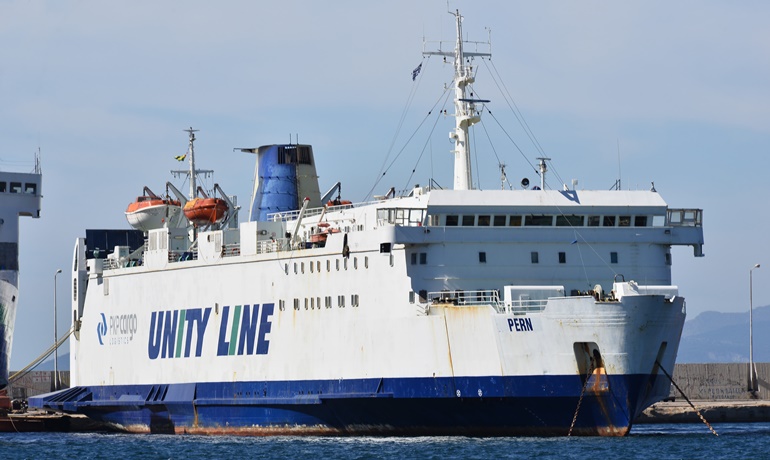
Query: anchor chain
[[580, 400], [703, 419]]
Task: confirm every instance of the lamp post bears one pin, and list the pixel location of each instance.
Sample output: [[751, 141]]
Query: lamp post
[[55, 337], [752, 369]]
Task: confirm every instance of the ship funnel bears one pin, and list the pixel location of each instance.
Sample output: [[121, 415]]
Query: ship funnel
[[284, 175]]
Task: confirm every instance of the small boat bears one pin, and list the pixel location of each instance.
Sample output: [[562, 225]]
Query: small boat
[[205, 211], [149, 211]]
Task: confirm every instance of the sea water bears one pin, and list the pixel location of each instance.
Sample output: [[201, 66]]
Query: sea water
[[644, 442]]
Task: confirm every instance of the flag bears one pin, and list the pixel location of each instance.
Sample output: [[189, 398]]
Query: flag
[[416, 71], [180, 157]]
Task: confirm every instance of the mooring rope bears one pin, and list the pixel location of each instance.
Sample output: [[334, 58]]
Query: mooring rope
[[580, 400], [686, 398]]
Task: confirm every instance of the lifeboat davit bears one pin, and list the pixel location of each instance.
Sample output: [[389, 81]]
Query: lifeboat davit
[[205, 211], [150, 211]]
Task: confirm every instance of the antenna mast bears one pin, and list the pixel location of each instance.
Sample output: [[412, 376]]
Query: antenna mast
[[465, 108], [191, 152]]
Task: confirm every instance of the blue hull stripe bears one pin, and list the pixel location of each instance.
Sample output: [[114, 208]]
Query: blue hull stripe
[[468, 405]]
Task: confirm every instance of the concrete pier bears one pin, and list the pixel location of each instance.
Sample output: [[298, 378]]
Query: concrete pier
[[725, 411]]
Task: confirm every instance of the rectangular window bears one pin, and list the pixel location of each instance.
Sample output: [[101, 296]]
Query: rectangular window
[[2, 187], [562, 257], [306, 303], [499, 221], [482, 257], [484, 221], [613, 257], [354, 300], [640, 221], [569, 221], [411, 296], [534, 257], [414, 258], [593, 221], [538, 221], [355, 263], [337, 264], [423, 294], [452, 220], [30, 189], [341, 301], [423, 258], [469, 221], [15, 187], [514, 221], [296, 304], [609, 221], [624, 221], [311, 267], [384, 248], [366, 262], [281, 305], [328, 265]]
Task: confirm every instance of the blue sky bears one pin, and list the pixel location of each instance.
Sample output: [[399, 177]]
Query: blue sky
[[672, 92]]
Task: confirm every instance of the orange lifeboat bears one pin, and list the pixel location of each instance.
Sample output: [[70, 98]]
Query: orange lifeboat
[[150, 211], [205, 211], [338, 202]]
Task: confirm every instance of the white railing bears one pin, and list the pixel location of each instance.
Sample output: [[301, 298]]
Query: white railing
[[489, 297]]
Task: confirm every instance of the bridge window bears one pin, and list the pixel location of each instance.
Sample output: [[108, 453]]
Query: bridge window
[[624, 221], [499, 221], [640, 221], [15, 187], [469, 221], [2, 186], [569, 221], [452, 220], [484, 221], [594, 221], [538, 221], [515, 221], [609, 221], [30, 188]]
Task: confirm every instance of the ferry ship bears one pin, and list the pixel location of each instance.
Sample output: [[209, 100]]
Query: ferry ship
[[20, 196], [531, 311]]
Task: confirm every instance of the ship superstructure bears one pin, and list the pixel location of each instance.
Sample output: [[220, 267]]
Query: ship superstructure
[[430, 312], [20, 196]]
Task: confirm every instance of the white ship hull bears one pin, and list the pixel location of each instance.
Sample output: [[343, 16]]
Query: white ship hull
[[427, 312]]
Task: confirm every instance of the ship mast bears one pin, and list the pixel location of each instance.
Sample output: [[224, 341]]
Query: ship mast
[[465, 107], [191, 153]]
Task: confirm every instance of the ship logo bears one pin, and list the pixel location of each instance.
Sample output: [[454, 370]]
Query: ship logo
[[101, 329]]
